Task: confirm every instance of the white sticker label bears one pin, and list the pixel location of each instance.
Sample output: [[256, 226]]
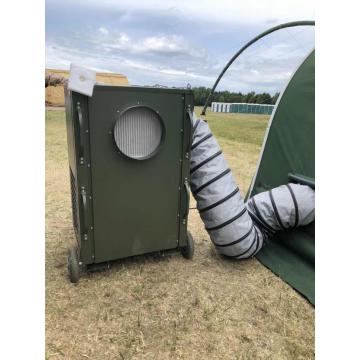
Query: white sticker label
[[82, 80]]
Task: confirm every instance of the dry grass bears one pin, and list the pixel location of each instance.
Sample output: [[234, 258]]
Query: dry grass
[[169, 308]]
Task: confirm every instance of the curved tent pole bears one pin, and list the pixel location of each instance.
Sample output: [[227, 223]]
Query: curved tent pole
[[267, 32]]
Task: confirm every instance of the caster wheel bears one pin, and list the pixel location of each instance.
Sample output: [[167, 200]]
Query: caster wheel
[[73, 266], [188, 251]]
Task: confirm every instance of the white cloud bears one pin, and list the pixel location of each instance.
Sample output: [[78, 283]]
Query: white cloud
[[259, 73], [103, 30], [161, 45], [61, 57], [121, 42], [157, 52], [224, 11]]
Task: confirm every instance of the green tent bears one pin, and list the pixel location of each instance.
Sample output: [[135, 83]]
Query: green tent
[[288, 155]]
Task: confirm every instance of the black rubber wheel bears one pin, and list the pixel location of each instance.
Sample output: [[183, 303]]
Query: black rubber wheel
[[73, 265], [188, 251]]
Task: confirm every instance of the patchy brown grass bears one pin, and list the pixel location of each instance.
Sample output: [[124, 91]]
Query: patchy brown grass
[[169, 308]]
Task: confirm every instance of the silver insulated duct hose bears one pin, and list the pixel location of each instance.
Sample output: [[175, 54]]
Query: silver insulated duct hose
[[237, 229]]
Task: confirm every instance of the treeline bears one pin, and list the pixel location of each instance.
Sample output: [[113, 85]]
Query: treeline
[[201, 93]]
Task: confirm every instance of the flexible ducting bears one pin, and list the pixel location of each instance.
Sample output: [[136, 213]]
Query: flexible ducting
[[237, 229]]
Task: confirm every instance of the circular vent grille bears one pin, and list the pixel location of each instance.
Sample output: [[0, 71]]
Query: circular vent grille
[[138, 132]]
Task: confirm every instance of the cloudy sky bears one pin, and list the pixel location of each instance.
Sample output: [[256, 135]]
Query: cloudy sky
[[173, 42]]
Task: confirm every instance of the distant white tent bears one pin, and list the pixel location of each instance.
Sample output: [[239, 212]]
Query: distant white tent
[[245, 108]]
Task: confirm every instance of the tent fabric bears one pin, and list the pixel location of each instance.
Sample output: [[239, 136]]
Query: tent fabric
[[289, 148]]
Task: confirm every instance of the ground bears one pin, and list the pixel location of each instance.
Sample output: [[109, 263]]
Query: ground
[[169, 308]]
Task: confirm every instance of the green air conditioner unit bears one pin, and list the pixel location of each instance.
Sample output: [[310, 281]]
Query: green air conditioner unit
[[129, 154]]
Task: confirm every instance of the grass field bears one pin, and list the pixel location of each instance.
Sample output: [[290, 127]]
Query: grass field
[[169, 308]]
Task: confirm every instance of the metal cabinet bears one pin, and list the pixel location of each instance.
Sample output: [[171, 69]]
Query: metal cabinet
[[129, 154]]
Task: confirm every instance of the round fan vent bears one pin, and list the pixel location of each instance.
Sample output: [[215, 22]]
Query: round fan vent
[[138, 132]]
